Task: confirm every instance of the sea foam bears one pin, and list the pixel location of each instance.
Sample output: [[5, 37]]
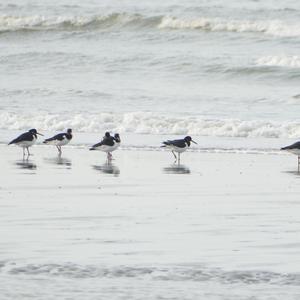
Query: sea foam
[[279, 61], [82, 22], [164, 273], [150, 123], [40, 22], [269, 27]]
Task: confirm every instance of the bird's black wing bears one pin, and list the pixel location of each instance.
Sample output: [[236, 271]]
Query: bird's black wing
[[293, 146], [176, 143], [58, 137], [27, 136], [106, 141], [98, 145]]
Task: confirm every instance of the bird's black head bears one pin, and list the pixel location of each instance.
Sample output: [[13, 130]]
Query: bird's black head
[[188, 140], [33, 131], [107, 134], [117, 137], [69, 131]]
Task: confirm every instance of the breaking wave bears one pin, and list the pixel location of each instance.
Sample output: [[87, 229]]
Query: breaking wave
[[271, 27], [279, 61], [150, 123], [39, 22], [165, 273]]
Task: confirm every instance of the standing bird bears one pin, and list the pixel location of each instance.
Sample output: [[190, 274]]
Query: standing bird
[[295, 149], [60, 139], [178, 146], [108, 144], [26, 140]]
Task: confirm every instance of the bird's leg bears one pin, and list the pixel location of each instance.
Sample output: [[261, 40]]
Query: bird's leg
[[174, 156], [109, 156], [59, 149], [23, 152], [179, 158], [298, 163], [28, 151]]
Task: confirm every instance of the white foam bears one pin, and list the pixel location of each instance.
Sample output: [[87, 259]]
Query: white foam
[[270, 27], [150, 123], [279, 61], [14, 23], [165, 273], [40, 22]]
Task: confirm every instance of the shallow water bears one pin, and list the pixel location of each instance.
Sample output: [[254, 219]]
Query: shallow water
[[218, 226]]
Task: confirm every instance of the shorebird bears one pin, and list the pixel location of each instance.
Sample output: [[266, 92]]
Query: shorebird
[[60, 140], [108, 144], [295, 149], [26, 140], [178, 146]]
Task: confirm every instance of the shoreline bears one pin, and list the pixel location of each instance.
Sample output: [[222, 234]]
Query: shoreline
[[232, 216], [130, 141]]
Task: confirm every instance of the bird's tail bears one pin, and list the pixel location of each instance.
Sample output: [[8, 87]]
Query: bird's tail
[[165, 144], [46, 141], [91, 149], [12, 142]]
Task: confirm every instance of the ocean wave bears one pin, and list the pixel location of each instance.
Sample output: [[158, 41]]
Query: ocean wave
[[150, 123], [39, 22], [279, 61], [270, 27], [165, 273]]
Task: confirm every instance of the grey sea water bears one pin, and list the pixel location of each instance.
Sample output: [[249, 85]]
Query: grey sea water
[[210, 68]]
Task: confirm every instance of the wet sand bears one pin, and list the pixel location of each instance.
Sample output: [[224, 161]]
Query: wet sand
[[218, 219]]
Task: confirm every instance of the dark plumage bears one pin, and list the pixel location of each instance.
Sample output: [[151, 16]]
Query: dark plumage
[[177, 143], [107, 141], [26, 136], [295, 149], [293, 146], [178, 146], [108, 144], [26, 140], [117, 138], [60, 139]]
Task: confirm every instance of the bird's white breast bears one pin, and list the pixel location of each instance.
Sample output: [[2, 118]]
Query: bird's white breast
[[294, 151], [63, 142], [178, 149], [26, 144], [104, 148]]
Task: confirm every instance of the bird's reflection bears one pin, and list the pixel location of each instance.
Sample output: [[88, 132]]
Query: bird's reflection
[[177, 169], [108, 168], [294, 173], [60, 161], [26, 164]]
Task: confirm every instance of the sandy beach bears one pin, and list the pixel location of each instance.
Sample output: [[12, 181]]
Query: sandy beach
[[223, 224]]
